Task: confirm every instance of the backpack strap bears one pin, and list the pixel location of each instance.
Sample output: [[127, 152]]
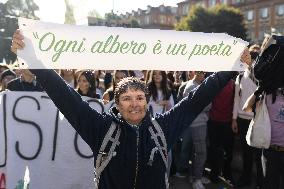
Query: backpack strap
[[161, 148], [103, 157]]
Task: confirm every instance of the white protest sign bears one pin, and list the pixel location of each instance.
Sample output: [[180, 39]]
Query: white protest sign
[[58, 46], [39, 138]]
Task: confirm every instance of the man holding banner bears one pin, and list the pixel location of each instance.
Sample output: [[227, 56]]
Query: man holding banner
[[130, 148]]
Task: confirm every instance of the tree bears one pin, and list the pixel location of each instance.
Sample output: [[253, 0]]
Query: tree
[[69, 14], [218, 19], [94, 13], [9, 12], [22, 8], [134, 24], [112, 19]]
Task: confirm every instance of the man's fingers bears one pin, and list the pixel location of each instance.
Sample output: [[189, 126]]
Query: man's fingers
[[17, 42], [17, 45], [246, 58]]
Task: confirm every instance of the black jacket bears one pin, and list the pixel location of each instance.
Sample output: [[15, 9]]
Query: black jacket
[[19, 85], [126, 170]]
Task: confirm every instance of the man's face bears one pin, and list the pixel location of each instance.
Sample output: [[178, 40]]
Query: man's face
[[132, 106], [199, 76]]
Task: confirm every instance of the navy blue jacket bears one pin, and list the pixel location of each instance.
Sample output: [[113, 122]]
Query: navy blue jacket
[[126, 166]]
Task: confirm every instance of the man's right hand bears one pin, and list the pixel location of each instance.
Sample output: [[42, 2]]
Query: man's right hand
[[235, 126], [17, 41]]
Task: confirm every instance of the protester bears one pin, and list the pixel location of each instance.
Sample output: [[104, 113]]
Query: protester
[[220, 135], [274, 166], [6, 77], [244, 87], [136, 156], [117, 76], [87, 84], [69, 76], [26, 82], [161, 98], [191, 74], [99, 76], [193, 144]]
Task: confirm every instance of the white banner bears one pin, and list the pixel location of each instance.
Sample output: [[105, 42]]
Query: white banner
[[38, 137], [60, 46]]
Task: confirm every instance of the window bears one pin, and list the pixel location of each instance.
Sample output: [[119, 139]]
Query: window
[[147, 19], [212, 3], [224, 2], [280, 10], [185, 10], [236, 1], [249, 15], [264, 12], [162, 19]]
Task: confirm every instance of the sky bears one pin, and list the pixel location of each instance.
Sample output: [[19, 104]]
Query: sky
[[54, 10]]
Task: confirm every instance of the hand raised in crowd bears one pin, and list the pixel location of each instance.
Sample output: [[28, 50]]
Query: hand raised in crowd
[[17, 41], [165, 103], [246, 57]]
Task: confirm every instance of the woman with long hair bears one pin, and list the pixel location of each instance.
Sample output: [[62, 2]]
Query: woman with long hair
[[161, 98], [274, 155], [87, 84]]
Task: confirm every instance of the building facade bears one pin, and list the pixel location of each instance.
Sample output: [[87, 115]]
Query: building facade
[[261, 16], [162, 17]]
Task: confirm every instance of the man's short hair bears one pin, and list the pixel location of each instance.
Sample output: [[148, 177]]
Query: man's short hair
[[130, 83]]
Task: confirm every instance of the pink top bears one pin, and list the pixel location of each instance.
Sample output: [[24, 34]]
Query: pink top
[[276, 114]]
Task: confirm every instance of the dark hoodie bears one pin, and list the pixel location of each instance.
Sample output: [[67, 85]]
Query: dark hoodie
[[126, 166]]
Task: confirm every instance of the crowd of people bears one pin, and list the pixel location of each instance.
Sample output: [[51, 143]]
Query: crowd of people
[[207, 140]]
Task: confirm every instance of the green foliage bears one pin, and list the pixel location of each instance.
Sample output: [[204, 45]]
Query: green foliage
[[134, 24], [22, 8], [111, 17], [9, 12], [94, 13], [218, 19], [69, 13]]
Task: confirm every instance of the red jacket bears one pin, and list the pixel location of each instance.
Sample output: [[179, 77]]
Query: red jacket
[[222, 105]]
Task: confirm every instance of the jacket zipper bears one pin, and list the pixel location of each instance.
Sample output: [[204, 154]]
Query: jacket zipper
[[137, 159]]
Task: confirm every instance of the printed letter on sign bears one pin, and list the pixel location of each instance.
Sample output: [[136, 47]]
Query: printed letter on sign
[[2, 181]]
